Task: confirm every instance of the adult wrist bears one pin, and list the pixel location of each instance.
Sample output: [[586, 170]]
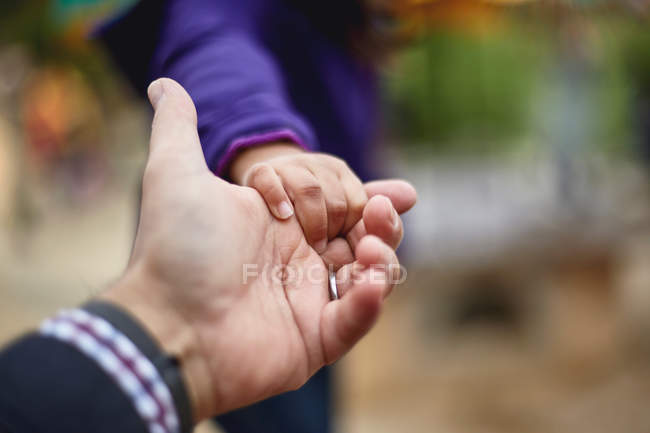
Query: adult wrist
[[146, 302], [167, 365]]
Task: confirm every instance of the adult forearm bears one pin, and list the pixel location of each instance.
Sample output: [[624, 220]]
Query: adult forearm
[[172, 332]]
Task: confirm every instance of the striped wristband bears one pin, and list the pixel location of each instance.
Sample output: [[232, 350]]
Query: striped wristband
[[114, 353]]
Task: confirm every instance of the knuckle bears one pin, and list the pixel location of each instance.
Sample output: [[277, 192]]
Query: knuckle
[[357, 204], [340, 164], [257, 173], [338, 209], [310, 190], [337, 163], [332, 160], [318, 232], [317, 228], [270, 191]]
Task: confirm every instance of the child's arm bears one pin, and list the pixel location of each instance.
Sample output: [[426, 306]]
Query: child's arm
[[211, 47]]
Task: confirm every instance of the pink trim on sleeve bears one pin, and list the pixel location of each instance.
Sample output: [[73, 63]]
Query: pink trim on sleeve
[[254, 140]]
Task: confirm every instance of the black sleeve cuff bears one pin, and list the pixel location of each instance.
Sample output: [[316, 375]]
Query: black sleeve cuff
[[167, 365], [48, 386]]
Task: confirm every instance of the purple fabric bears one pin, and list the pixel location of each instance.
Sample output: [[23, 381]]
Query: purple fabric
[[245, 142], [253, 66]]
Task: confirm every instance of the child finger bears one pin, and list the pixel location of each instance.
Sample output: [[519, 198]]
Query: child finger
[[379, 219], [356, 198], [307, 195], [335, 201], [338, 254], [266, 181]]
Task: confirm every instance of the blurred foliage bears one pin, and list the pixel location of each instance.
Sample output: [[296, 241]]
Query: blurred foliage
[[450, 84], [57, 33], [637, 54], [455, 90], [85, 10], [30, 23]]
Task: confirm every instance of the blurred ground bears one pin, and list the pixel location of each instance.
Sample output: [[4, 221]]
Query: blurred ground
[[521, 312]]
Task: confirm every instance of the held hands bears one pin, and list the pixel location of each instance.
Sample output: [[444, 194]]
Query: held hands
[[240, 296], [327, 196]]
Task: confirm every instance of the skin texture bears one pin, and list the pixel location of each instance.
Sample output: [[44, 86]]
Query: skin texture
[[238, 341], [325, 194]]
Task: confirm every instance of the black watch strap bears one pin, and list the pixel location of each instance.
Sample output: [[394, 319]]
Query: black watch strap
[[167, 365]]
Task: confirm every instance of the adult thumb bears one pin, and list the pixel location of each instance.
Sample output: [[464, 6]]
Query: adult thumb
[[174, 140]]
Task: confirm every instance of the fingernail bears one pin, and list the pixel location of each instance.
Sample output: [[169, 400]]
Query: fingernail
[[393, 216], [320, 246], [285, 210], [155, 92]]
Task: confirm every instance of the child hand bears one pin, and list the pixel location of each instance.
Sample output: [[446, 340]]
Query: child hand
[[327, 196]]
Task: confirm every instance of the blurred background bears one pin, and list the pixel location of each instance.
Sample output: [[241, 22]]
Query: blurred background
[[524, 125]]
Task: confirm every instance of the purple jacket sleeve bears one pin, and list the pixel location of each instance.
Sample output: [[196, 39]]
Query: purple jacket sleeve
[[211, 47]]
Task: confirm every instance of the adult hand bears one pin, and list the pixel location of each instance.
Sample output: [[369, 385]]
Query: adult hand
[[242, 336]]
